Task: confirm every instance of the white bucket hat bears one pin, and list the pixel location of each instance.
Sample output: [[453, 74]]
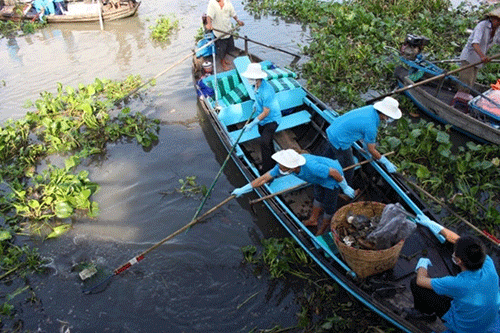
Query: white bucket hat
[[289, 158], [495, 12], [254, 71], [389, 106]]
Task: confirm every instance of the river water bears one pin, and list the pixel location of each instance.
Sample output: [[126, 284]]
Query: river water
[[196, 282]]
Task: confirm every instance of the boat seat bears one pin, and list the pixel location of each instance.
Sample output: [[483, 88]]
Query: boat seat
[[286, 122], [241, 64], [285, 182]]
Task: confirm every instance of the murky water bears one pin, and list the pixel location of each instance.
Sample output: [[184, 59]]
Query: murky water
[[195, 282]]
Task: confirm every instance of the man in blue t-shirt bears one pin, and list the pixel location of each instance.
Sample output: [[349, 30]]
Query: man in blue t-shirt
[[360, 124], [468, 302], [326, 175], [268, 113]]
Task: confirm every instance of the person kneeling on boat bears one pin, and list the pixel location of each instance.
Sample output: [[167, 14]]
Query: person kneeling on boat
[[326, 175], [268, 113], [468, 302], [360, 124]]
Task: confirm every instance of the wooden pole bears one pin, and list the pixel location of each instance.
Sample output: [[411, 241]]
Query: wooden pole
[[299, 186]]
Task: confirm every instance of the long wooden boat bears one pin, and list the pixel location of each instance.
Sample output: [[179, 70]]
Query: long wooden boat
[[78, 12], [437, 100], [305, 119]]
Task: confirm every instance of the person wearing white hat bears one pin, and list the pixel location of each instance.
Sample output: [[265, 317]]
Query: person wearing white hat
[[268, 112], [360, 124], [484, 35], [326, 175], [219, 13]]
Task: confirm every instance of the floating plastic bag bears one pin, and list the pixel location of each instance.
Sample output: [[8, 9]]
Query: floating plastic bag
[[392, 228]]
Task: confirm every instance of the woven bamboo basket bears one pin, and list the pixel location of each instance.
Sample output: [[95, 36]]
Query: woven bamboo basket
[[364, 262]]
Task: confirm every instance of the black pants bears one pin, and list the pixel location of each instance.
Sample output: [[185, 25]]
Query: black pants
[[344, 157], [223, 46], [266, 145], [427, 301]]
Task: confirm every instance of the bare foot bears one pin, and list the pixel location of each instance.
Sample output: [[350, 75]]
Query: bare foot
[[310, 223]]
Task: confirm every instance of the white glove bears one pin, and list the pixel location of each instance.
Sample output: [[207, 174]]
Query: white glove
[[349, 191], [388, 165], [248, 127], [423, 262], [242, 190], [427, 222]]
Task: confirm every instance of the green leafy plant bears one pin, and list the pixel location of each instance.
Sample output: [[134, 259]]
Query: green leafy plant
[[189, 187], [164, 27]]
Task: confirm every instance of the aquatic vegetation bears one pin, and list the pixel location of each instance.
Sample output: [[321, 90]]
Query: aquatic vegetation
[[11, 28], [284, 259], [164, 27]]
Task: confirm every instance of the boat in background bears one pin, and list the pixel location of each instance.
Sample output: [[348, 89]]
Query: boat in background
[[476, 116], [76, 12], [227, 98]]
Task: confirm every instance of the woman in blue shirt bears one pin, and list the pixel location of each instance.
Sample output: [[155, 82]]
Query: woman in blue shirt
[[268, 113], [326, 175]]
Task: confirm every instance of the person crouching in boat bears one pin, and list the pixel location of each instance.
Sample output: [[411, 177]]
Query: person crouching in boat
[[484, 35], [360, 124], [467, 302], [268, 113], [326, 175]]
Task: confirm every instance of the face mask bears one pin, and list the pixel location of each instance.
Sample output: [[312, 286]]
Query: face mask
[[389, 120], [252, 81], [454, 260], [284, 173]]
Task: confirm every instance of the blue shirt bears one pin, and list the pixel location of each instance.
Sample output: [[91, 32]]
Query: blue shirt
[[476, 299], [361, 123], [266, 97], [316, 170]]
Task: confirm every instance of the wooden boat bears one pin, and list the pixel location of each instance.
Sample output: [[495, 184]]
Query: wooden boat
[[438, 100], [305, 119], [77, 12]]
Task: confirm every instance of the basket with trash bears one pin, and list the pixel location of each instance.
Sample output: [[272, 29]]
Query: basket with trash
[[370, 235]]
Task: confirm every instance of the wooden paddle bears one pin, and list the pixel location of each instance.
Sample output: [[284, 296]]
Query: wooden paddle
[[300, 185], [437, 77], [491, 238]]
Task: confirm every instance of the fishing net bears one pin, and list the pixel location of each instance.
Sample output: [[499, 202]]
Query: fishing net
[[392, 228], [95, 278]]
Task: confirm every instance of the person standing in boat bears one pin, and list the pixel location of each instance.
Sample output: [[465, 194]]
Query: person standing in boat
[[268, 113], [219, 13], [360, 124], [484, 35], [467, 302], [326, 175]]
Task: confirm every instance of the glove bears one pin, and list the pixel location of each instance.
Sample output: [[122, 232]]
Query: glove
[[347, 189], [242, 190], [427, 222], [248, 127], [423, 262], [388, 165]]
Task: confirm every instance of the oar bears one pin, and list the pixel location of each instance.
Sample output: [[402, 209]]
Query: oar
[[174, 65], [261, 44], [100, 14], [491, 238], [437, 77], [456, 60], [87, 273], [300, 185]]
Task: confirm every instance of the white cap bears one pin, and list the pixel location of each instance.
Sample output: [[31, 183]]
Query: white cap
[[289, 158], [254, 71], [389, 106]]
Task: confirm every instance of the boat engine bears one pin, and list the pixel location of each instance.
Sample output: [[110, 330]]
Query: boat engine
[[413, 45]]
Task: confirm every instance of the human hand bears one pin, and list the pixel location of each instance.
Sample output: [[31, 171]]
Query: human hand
[[485, 59], [242, 190], [391, 168], [248, 127], [349, 191], [423, 262], [240, 23], [427, 222]]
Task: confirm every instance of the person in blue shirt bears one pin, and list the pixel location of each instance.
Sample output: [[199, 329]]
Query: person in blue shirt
[[44, 7], [467, 302], [268, 113], [326, 175], [360, 124]]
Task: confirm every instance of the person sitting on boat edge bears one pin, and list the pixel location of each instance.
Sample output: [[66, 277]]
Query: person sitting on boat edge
[[268, 113], [326, 175], [484, 35], [219, 13], [43, 7], [360, 124], [467, 302]]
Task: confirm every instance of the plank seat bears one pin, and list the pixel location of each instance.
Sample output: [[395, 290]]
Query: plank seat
[[286, 122]]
